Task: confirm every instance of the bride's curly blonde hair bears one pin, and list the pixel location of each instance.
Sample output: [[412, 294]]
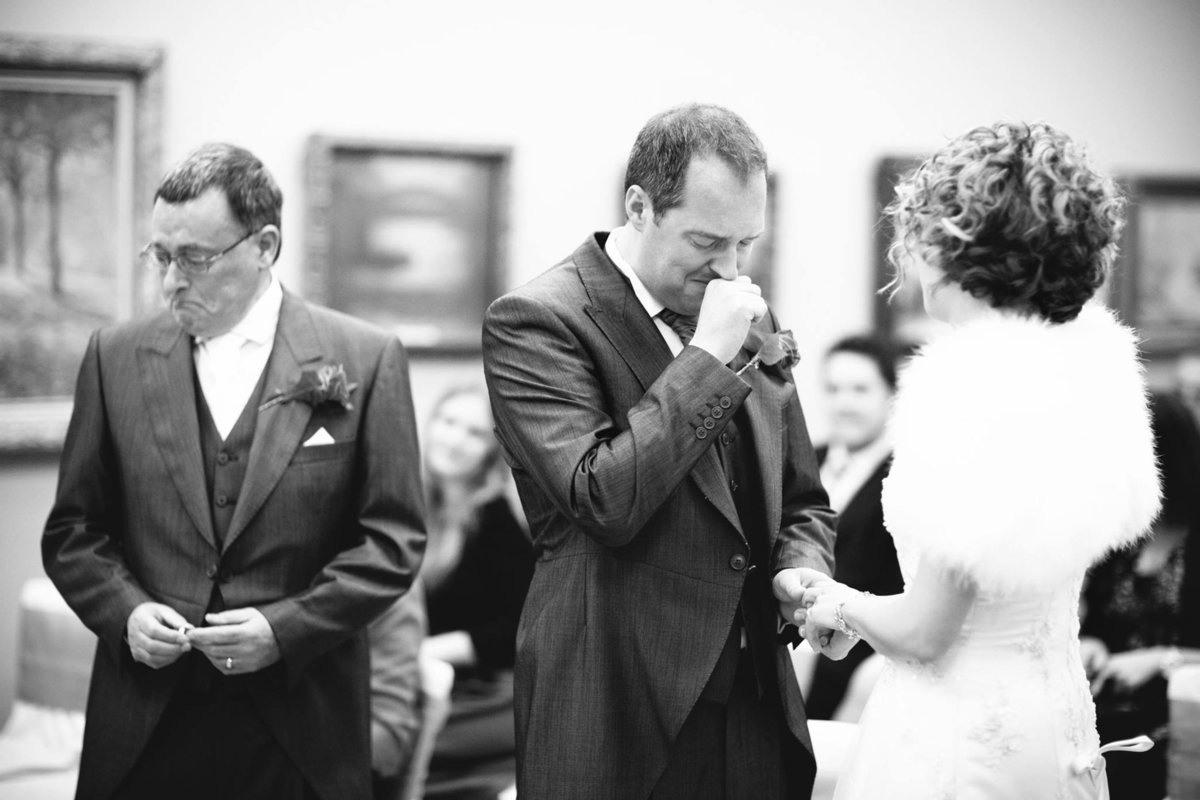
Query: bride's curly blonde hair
[[1015, 214]]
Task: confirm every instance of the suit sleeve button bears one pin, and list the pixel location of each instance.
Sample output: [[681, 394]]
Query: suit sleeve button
[[725, 402], [737, 562], [718, 412], [709, 423], [701, 433]]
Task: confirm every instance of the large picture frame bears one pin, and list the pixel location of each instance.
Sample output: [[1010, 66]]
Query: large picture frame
[[410, 236], [79, 160], [1157, 278]]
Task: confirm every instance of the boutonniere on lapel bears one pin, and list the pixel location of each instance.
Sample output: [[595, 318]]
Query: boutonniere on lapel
[[316, 386], [777, 350]]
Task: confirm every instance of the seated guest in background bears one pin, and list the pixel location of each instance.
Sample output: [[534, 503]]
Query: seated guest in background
[[860, 380], [227, 533], [395, 638], [1142, 612], [478, 565]]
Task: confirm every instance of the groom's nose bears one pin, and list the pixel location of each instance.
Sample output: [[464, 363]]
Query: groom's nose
[[725, 263]]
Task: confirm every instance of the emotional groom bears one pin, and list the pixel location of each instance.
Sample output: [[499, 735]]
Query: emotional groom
[[665, 488], [238, 497]]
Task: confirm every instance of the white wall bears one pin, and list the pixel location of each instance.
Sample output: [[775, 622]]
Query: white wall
[[829, 86]]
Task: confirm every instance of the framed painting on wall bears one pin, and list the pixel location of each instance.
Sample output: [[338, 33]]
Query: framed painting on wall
[[1157, 278], [409, 236], [79, 159]]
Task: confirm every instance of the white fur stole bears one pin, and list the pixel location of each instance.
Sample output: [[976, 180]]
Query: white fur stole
[[1023, 450]]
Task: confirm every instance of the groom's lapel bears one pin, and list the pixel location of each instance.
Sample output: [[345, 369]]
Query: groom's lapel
[[168, 382], [278, 430], [623, 319], [764, 408]]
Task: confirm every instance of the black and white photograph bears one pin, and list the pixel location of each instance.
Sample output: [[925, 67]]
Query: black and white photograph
[[636, 401]]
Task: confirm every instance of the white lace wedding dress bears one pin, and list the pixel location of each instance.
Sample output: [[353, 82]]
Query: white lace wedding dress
[[1022, 453]]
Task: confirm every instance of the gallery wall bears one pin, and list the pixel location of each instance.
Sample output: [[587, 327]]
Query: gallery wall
[[830, 87]]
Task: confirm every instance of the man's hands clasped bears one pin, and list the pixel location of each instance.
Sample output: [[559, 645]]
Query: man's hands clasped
[[236, 641]]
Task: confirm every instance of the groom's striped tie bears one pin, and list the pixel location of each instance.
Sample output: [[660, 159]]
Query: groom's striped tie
[[684, 327]]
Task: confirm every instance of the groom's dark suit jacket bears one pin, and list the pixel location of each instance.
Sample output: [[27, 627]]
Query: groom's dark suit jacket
[[642, 558], [323, 538]]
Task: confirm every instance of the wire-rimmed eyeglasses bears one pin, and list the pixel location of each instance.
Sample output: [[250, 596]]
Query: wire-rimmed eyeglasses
[[154, 257]]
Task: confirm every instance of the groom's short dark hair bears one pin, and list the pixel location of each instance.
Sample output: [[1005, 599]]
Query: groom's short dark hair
[[667, 144]]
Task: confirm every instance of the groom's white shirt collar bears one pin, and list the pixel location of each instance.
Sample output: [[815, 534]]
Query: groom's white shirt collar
[[643, 295], [262, 319], [229, 366]]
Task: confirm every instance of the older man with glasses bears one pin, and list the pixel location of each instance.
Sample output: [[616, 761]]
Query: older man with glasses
[[236, 501]]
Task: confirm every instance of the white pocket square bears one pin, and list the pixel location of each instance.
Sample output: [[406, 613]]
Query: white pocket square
[[320, 437]]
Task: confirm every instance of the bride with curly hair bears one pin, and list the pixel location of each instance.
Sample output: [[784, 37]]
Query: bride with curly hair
[[1023, 453]]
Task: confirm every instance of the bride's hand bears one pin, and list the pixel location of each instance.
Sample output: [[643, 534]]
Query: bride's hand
[[793, 588], [814, 593], [821, 612], [823, 633]]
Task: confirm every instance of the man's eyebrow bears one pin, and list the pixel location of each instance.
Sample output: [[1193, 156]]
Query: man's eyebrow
[[718, 238]]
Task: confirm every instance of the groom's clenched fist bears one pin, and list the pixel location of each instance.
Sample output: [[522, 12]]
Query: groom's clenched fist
[[728, 310]]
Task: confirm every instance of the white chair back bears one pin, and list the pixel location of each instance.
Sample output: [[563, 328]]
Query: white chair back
[[437, 679], [1183, 755]]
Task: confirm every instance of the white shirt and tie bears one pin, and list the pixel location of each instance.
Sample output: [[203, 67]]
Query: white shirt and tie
[[652, 306], [229, 366], [844, 472]]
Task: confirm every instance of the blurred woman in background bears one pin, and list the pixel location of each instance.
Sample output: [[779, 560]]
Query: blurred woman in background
[[477, 568]]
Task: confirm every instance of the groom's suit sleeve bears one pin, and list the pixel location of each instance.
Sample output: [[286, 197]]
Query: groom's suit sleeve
[[608, 476], [807, 526], [81, 549]]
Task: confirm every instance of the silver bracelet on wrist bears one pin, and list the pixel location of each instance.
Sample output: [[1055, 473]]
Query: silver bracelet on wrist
[[840, 621]]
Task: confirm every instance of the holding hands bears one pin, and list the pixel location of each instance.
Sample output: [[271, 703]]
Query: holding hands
[[237, 641], [826, 609], [801, 591]]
